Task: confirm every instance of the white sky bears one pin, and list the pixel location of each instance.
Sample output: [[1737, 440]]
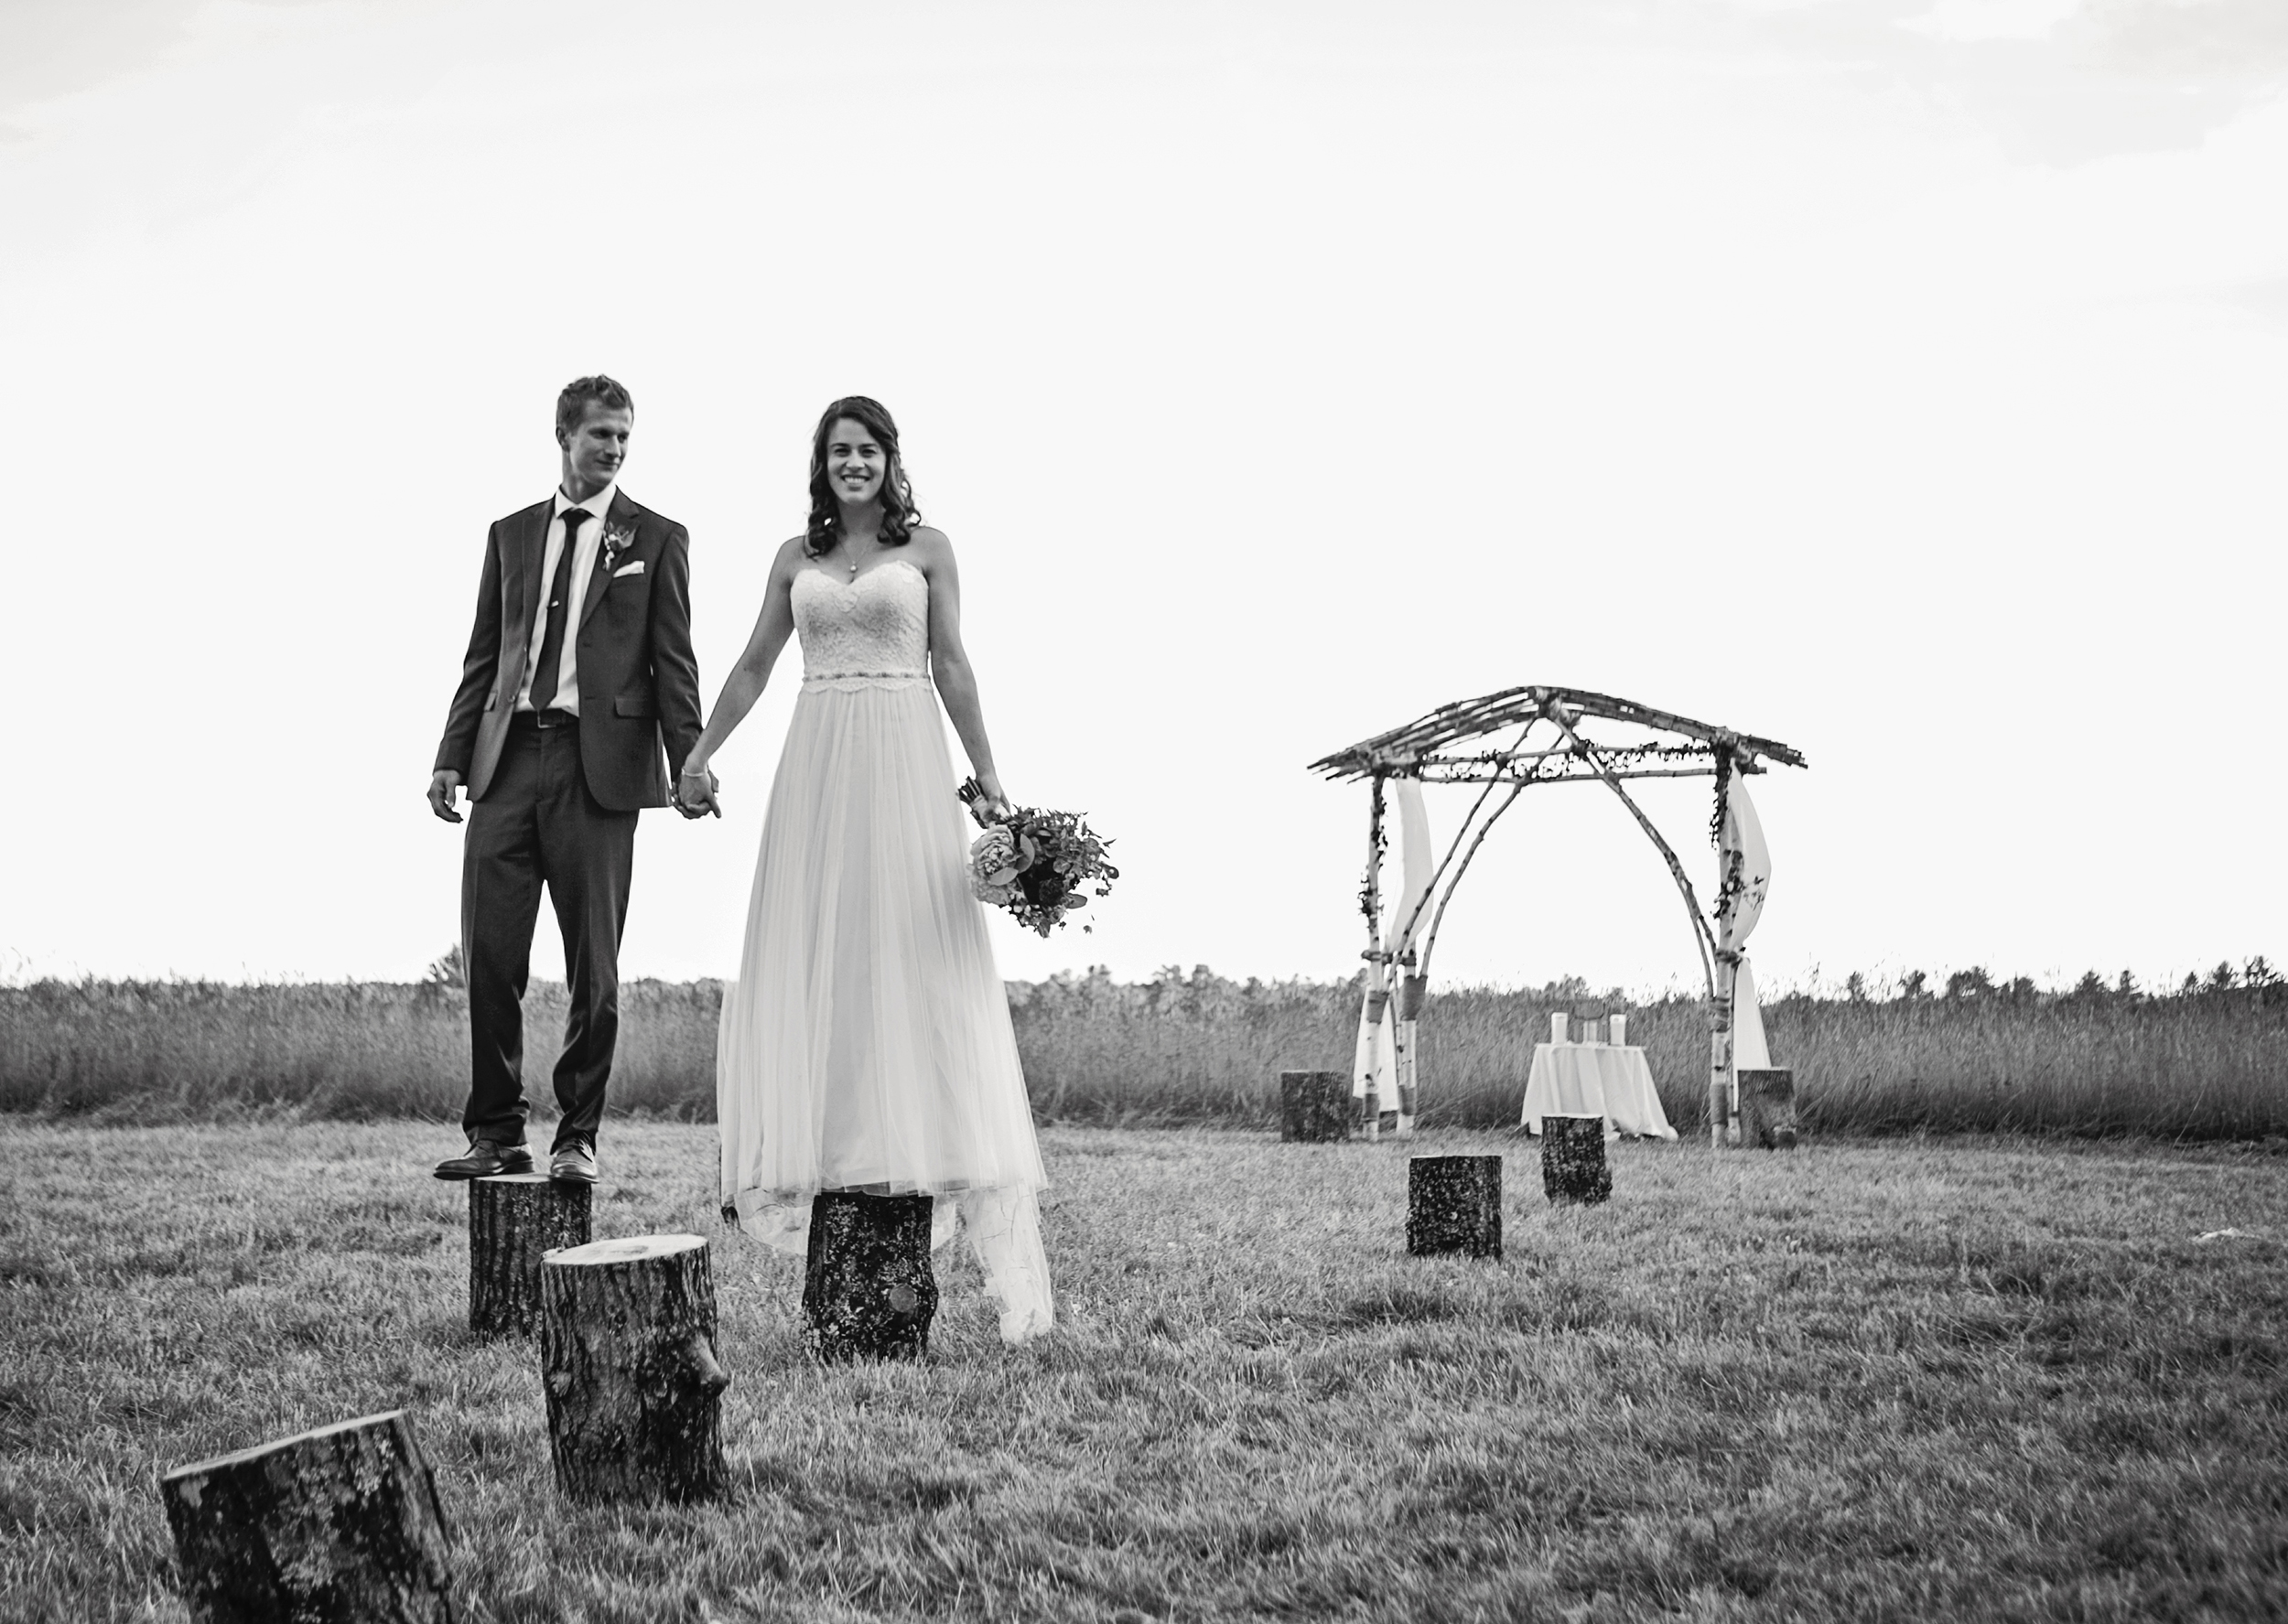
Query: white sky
[[1906, 380]]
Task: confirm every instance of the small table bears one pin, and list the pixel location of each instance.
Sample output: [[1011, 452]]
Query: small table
[[1605, 1079]]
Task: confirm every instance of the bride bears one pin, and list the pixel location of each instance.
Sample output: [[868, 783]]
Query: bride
[[867, 1045]]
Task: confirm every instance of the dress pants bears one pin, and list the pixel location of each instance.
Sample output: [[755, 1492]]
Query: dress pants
[[538, 824]]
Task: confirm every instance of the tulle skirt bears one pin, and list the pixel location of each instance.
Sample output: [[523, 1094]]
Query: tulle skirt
[[867, 1045]]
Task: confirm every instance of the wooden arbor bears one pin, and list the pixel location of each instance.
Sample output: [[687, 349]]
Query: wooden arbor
[[1505, 742]]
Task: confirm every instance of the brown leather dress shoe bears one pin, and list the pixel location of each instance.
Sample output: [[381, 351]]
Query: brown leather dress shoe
[[485, 1158], [572, 1164]]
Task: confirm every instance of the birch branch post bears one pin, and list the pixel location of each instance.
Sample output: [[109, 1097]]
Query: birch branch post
[[1719, 1082], [1377, 964]]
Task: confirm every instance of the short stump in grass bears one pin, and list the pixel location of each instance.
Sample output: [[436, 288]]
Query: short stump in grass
[[1767, 1109], [343, 1522], [1573, 1168], [1315, 1106], [514, 1220], [1453, 1205], [869, 1291], [627, 1358]]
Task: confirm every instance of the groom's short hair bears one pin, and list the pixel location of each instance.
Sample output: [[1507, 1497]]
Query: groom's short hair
[[572, 405]]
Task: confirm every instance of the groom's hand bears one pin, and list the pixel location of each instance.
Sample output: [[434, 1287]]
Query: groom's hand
[[699, 804], [444, 785]]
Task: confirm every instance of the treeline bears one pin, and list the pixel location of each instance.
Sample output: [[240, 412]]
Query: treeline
[[2254, 976]]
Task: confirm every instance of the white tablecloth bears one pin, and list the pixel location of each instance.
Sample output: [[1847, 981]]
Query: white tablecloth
[[1595, 1080]]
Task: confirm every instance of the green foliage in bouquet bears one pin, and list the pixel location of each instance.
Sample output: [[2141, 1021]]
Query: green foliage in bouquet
[[1037, 863]]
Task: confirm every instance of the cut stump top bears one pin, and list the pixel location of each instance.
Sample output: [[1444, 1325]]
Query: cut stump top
[[238, 1457], [627, 1249], [514, 1178]]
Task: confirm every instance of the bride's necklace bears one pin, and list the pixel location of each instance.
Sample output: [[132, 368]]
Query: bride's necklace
[[851, 543]]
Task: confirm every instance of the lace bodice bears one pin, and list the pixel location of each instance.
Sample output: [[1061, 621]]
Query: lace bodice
[[863, 633]]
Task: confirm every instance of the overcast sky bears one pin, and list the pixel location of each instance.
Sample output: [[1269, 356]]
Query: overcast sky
[[1904, 380]]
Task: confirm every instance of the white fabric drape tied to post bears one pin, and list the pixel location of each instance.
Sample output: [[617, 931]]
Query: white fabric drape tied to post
[[1417, 864], [1748, 1050], [1374, 1058], [1740, 906]]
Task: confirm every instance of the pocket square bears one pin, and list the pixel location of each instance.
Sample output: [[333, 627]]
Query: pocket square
[[629, 569]]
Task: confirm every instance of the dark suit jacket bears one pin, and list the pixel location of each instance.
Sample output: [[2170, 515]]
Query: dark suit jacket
[[639, 684]]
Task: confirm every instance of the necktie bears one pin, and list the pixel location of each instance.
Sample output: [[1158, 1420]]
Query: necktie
[[559, 596]]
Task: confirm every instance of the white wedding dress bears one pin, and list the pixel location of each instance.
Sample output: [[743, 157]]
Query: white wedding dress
[[867, 1045]]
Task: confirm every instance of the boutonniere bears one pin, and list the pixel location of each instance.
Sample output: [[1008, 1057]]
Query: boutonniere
[[618, 539]]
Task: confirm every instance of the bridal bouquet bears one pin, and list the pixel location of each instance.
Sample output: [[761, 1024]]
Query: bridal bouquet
[[1035, 863]]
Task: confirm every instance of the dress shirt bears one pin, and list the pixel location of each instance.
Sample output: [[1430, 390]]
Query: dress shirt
[[583, 564]]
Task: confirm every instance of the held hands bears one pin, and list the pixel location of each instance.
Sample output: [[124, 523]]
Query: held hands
[[695, 792]]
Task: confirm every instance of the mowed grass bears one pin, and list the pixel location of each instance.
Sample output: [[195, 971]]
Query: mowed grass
[[1994, 1378]]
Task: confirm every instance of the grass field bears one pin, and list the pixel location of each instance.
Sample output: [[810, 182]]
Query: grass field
[[1908, 1379], [2211, 1062]]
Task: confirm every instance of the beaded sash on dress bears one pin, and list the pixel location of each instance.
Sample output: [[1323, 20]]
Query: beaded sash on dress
[[873, 632]]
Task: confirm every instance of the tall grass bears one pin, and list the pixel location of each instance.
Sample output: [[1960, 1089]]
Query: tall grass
[[2208, 1063], [190, 1051]]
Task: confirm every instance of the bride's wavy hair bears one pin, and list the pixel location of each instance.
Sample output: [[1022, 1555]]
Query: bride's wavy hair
[[900, 514]]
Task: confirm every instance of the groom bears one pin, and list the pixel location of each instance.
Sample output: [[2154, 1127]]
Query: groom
[[578, 671]]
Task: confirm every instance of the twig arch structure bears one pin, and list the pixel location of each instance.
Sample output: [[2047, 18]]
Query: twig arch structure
[[1505, 743]]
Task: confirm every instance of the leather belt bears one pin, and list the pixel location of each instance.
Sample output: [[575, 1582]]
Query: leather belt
[[547, 718]]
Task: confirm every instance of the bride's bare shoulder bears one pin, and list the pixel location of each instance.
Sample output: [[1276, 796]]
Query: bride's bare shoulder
[[930, 545], [793, 551]]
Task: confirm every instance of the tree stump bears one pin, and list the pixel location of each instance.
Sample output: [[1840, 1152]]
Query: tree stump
[[627, 1354], [1573, 1168], [340, 1525], [514, 1217], [1315, 1106], [869, 1291], [1453, 1203], [1767, 1109]]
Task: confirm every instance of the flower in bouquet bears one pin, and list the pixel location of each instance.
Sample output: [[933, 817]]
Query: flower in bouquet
[[1038, 864], [994, 864]]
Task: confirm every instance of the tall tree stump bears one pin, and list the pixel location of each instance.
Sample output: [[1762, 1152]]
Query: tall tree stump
[[1315, 1106], [514, 1217], [869, 1291], [627, 1354], [1573, 1166], [1767, 1109], [1453, 1203], [336, 1526]]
